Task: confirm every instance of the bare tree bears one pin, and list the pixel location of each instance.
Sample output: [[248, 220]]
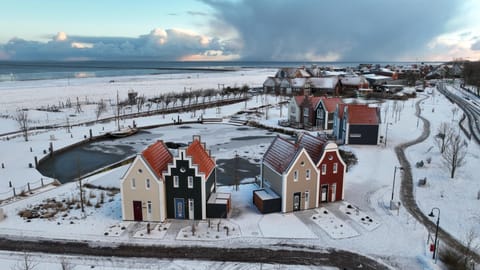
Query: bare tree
[[455, 152], [444, 134], [25, 263], [140, 103], [65, 264], [22, 119], [101, 108]]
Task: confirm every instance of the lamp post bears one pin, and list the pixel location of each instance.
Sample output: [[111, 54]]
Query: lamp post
[[436, 230], [386, 132], [393, 185]]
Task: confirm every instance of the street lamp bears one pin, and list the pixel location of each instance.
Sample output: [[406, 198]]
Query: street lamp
[[393, 185], [436, 230], [386, 132]]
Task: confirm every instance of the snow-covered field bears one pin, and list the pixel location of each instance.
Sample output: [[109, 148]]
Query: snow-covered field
[[392, 236]]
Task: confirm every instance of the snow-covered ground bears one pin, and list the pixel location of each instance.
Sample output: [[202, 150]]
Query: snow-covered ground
[[392, 236]]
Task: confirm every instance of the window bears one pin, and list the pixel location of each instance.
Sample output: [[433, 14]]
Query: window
[[190, 182], [133, 183], [306, 112], [307, 174], [295, 176], [175, 181], [147, 183], [302, 163], [335, 167], [149, 207], [324, 168], [140, 170]]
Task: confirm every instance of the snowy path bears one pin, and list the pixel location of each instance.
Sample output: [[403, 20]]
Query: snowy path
[[407, 189]]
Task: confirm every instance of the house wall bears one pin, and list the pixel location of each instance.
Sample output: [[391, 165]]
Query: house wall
[[272, 179], [368, 134], [140, 172], [329, 158], [183, 191], [320, 117], [302, 184], [293, 112]]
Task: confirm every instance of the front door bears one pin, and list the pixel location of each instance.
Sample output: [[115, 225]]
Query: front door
[[334, 192], [137, 211], [296, 201], [191, 209], [179, 208], [324, 197]]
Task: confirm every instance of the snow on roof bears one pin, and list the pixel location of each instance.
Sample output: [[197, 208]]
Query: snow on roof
[[313, 145], [304, 73], [324, 82], [200, 156], [280, 154], [157, 157], [298, 82], [362, 114], [353, 80], [333, 73], [376, 77]]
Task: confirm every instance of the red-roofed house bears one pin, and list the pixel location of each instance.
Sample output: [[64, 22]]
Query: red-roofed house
[[189, 182], [143, 185], [288, 171], [325, 112], [357, 124], [312, 112], [330, 165]]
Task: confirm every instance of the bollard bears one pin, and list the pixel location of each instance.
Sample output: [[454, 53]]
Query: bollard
[[30, 165], [28, 186], [9, 184], [90, 131], [14, 193], [3, 166], [71, 135], [41, 181], [31, 150], [36, 161]]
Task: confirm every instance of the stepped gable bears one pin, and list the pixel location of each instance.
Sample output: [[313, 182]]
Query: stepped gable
[[157, 157], [313, 145], [200, 156], [280, 154]]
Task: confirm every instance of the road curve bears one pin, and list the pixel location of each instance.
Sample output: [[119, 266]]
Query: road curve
[[406, 189]]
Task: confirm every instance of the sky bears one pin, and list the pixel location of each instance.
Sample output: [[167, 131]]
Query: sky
[[243, 30]]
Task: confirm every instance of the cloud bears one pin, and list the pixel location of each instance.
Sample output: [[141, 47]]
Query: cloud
[[476, 46], [196, 13], [333, 30], [159, 44]]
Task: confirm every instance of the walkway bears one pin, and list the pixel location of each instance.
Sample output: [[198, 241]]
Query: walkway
[[407, 195]]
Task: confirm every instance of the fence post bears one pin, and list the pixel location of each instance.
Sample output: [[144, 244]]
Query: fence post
[[36, 161], [14, 193], [41, 180], [28, 186]]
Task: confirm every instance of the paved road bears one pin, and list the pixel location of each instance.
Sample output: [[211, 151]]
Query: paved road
[[406, 191], [274, 255]]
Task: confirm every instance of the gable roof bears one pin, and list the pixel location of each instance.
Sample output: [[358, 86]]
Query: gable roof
[[330, 103], [314, 101], [200, 157], [362, 114], [313, 145], [157, 157], [280, 154]]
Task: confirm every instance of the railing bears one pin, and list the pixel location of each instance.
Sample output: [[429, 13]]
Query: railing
[[24, 190]]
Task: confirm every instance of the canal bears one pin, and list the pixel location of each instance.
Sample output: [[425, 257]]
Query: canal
[[238, 151]]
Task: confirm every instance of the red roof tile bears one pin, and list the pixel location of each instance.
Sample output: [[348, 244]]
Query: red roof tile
[[313, 145], [331, 103], [280, 154], [201, 157], [362, 114], [157, 157]]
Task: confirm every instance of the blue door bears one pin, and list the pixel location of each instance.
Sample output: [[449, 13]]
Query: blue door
[[179, 208]]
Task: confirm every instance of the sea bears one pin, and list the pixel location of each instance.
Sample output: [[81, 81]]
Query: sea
[[47, 70]]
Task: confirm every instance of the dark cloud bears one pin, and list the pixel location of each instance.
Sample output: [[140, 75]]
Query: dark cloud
[[355, 30], [159, 44]]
